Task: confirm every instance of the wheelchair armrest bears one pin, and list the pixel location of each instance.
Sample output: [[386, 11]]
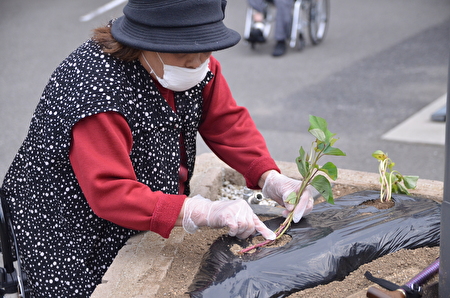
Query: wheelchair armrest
[[5, 238], [8, 281]]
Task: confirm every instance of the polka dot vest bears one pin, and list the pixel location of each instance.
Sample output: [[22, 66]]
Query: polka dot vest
[[65, 247]]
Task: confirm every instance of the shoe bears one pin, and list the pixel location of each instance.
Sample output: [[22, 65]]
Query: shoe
[[280, 48], [256, 33]]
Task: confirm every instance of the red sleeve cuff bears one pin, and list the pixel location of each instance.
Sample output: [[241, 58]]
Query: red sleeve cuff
[[258, 167], [166, 213]]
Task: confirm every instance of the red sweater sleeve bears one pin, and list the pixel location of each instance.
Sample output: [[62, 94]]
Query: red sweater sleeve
[[99, 155], [230, 132]]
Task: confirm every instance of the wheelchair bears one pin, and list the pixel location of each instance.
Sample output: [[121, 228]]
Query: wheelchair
[[309, 17], [13, 281]]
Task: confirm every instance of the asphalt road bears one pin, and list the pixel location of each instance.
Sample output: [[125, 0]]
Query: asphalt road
[[381, 62]]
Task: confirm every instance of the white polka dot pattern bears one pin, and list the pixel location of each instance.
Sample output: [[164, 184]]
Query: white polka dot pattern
[[65, 247]]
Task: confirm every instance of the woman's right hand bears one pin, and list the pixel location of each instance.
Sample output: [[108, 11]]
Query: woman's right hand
[[278, 187]]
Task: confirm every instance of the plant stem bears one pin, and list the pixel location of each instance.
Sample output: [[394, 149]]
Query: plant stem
[[279, 232], [312, 168], [287, 222], [386, 181], [245, 250]]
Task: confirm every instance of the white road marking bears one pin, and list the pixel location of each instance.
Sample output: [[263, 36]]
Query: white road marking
[[101, 10]]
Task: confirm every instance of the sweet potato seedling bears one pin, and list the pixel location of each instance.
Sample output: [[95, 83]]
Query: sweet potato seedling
[[312, 174], [391, 180]]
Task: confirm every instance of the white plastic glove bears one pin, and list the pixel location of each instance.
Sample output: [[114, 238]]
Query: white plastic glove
[[278, 187], [235, 214]]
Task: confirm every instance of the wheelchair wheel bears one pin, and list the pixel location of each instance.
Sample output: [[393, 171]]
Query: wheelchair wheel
[[319, 14]]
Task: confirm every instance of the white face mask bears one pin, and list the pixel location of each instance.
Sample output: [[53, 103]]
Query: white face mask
[[177, 78]]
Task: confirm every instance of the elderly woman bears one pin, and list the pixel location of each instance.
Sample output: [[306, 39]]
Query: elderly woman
[[111, 146]]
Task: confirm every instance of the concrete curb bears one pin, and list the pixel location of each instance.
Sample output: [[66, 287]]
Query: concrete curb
[[143, 262]]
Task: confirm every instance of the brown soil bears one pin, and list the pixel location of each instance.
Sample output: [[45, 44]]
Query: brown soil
[[398, 267], [237, 249], [380, 204]]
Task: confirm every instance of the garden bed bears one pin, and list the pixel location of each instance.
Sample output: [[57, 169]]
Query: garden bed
[[150, 266], [397, 267]]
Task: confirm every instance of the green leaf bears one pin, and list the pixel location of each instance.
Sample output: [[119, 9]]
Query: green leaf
[[332, 141], [317, 123], [329, 137], [302, 164], [330, 169], [318, 128], [394, 189], [379, 155], [321, 146], [333, 151], [401, 189], [318, 134], [390, 164], [323, 186], [391, 178], [410, 181], [292, 198]]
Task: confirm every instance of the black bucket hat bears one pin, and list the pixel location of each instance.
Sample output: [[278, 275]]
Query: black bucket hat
[[174, 26]]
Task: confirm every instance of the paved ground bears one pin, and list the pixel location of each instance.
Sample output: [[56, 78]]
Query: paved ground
[[382, 62]]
